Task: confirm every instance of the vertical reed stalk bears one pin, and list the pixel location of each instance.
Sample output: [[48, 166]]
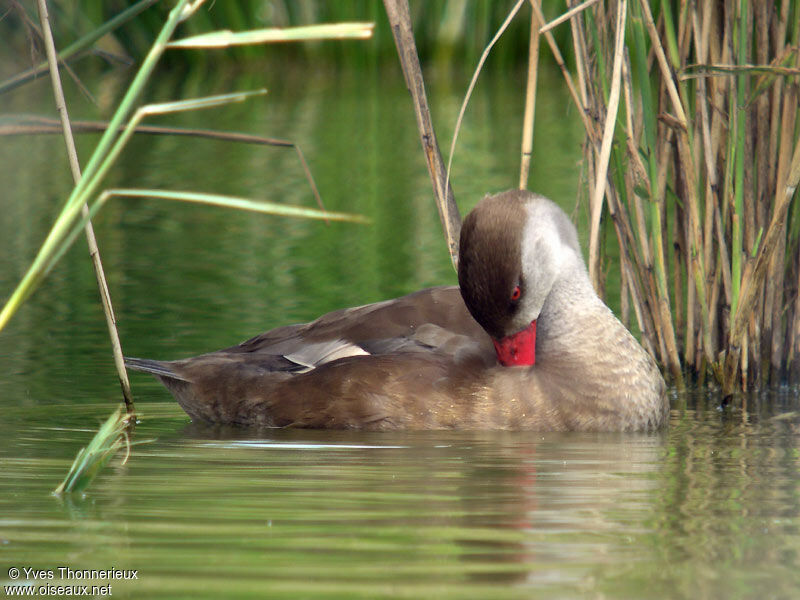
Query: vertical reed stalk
[[400, 20], [94, 252], [530, 100], [739, 115], [579, 100], [596, 206]]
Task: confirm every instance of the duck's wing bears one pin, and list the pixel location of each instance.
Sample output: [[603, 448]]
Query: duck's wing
[[398, 318], [433, 319]]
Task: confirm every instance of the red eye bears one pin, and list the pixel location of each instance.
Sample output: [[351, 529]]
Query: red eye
[[516, 294]]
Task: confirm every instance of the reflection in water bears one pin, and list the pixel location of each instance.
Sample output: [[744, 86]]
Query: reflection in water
[[568, 495], [473, 508], [729, 499]]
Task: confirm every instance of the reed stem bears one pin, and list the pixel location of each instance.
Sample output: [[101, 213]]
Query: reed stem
[[530, 99], [400, 20], [94, 251]]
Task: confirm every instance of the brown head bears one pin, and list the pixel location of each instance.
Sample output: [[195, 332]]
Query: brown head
[[515, 246]]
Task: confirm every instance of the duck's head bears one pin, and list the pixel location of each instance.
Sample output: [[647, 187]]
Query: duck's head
[[514, 247]]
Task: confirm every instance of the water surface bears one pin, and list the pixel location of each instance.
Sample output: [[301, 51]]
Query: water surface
[[707, 509]]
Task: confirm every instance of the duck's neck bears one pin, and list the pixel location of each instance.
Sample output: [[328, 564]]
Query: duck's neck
[[570, 310]]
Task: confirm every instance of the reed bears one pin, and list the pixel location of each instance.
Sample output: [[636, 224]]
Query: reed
[[701, 189], [94, 252], [90, 460]]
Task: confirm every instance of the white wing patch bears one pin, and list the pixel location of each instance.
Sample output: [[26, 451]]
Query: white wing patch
[[315, 354]]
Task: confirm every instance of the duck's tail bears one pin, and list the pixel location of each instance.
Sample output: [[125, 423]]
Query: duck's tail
[[177, 384], [156, 367]]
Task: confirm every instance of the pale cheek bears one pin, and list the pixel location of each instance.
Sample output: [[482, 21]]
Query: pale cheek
[[529, 309]]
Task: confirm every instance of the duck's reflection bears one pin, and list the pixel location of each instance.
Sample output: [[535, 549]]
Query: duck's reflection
[[505, 506]]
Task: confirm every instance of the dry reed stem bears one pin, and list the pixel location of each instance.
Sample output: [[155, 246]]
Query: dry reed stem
[[43, 125], [712, 181], [762, 325], [35, 72], [720, 70], [780, 145], [400, 20], [572, 12], [596, 204], [530, 100], [94, 252], [666, 71], [644, 301], [789, 115], [667, 330], [579, 49], [639, 171]]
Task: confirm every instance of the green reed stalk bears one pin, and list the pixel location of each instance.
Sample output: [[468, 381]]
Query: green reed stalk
[[669, 34], [90, 460]]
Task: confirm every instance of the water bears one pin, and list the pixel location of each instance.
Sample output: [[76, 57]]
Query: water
[[707, 509]]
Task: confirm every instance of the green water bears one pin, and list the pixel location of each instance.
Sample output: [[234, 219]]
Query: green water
[[707, 509]]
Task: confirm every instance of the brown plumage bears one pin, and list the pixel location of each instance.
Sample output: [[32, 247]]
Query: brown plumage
[[423, 362]]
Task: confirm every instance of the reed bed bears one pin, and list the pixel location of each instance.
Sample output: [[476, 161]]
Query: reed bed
[[693, 107]]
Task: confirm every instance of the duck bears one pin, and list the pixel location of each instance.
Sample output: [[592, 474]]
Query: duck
[[522, 343]]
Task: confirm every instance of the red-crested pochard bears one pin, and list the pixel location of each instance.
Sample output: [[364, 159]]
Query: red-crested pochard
[[524, 342]]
